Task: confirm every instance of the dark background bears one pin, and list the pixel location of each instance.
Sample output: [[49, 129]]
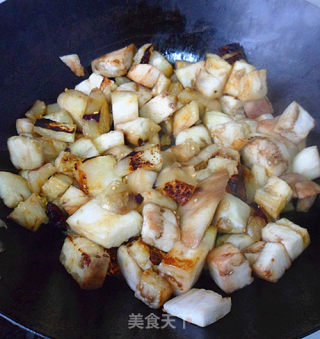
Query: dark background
[[282, 36]]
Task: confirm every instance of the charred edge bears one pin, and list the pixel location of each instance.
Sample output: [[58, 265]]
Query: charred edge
[[93, 116], [86, 261], [232, 52], [113, 268], [146, 55], [236, 185], [87, 159], [56, 217], [54, 126], [180, 191], [136, 161], [156, 255], [258, 212]]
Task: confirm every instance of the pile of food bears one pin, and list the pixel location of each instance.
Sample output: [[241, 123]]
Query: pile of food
[[159, 171]]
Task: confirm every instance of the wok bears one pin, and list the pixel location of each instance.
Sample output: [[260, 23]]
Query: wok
[[280, 35]]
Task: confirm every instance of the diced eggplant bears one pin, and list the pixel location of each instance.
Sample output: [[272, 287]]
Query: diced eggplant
[[144, 94], [253, 85], [153, 289], [129, 268], [72, 199], [232, 106], [198, 306], [139, 130], [218, 163], [37, 177], [209, 85], [24, 126], [162, 85], [293, 237], [182, 265], [51, 148], [95, 174], [85, 261], [84, 148], [294, 123], [185, 117], [160, 228], [177, 183], [175, 88], [30, 213], [74, 102], [232, 52], [185, 151], [107, 87], [265, 152], [198, 134], [187, 74], [161, 63], [55, 130], [155, 197], [141, 180], [114, 64], [37, 110], [56, 186], [255, 226], [212, 119], [108, 140], [216, 66], [229, 268], [143, 54], [103, 227], [253, 251], [13, 189], [66, 162], [196, 215], [273, 196], [258, 108], [272, 262], [144, 74], [239, 70], [140, 252], [241, 240], [119, 152], [147, 157], [232, 215], [73, 62], [307, 163], [160, 107], [124, 107], [25, 152], [94, 81]]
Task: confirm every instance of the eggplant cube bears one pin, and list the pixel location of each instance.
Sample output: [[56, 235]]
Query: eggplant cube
[[25, 152], [199, 306], [187, 75], [73, 199], [160, 228], [37, 177], [161, 63], [129, 268], [185, 117], [230, 105], [95, 174], [56, 186], [141, 180], [140, 252], [24, 126], [294, 123], [307, 163], [160, 107], [229, 268], [199, 134], [144, 74], [139, 130], [86, 261], [232, 215], [272, 262], [253, 86], [273, 196], [108, 140], [153, 289], [252, 251], [155, 197], [115, 63], [84, 148], [30, 213], [124, 107], [241, 240], [13, 189], [182, 265], [66, 162], [293, 237], [103, 227], [37, 110]]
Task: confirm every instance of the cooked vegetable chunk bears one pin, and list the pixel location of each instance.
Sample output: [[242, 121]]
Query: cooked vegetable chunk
[[124, 107], [160, 228], [13, 189], [103, 227], [199, 306], [153, 289], [144, 74], [56, 186], [72, 199], [86, 261], [307, 163], [73, 62], [30, 213]]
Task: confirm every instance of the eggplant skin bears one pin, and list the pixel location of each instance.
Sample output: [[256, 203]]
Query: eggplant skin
[[54, 126], [232, 52]]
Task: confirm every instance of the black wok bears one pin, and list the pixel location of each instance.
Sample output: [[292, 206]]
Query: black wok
[[280, 35]]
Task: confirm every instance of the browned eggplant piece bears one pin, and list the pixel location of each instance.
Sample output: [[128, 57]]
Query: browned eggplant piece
[[232, 52]]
